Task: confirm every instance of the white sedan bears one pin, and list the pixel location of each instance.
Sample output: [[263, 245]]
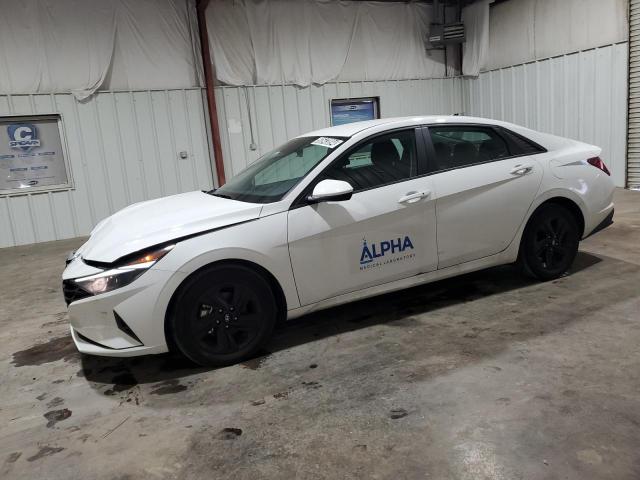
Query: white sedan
[[330, 217]]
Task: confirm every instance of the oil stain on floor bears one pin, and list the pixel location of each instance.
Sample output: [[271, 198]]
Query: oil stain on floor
[[55, 416], [169, 387], [59, 348]]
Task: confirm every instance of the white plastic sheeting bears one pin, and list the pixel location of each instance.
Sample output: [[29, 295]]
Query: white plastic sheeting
[[524, 30], [476, 47], [81, 46], [582, 95], [55, 46], [156, 46], [308, 42]]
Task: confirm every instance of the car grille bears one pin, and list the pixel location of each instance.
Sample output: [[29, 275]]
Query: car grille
[[73, 292]]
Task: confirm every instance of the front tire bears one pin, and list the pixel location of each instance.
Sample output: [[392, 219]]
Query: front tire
[[223, 314], [550, 242]]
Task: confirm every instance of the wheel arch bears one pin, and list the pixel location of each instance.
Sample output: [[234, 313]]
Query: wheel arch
[[568, 204], [281, 300], [560, 197]]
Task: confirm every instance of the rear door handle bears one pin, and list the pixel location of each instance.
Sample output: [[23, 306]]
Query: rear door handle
[[413, 197], [521, 169]]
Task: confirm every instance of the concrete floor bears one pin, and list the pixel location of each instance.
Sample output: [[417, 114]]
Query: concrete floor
[[486, 376]]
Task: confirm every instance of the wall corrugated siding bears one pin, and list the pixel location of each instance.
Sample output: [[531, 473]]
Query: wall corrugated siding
[[633, 153], [581, 95], [281, 112], [123, 148]]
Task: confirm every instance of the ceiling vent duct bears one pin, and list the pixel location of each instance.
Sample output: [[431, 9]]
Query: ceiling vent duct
[[447, 34]]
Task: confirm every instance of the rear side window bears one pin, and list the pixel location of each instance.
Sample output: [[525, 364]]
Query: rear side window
[[519, 145], [460, 146]]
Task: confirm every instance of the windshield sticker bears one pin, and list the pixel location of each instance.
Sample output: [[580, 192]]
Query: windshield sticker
[[327, 142]]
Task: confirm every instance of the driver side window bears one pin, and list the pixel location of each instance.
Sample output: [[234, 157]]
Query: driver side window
[[380, 161]]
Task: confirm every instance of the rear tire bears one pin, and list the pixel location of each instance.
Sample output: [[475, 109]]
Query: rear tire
[[223, 314], [550, 242]]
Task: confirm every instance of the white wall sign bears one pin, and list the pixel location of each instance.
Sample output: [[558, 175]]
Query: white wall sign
[[32, 156]]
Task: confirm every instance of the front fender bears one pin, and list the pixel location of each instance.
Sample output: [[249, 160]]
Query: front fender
[[262, 241]]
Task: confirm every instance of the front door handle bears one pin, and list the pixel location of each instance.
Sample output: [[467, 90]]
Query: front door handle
[[413, 197], [521, 170]]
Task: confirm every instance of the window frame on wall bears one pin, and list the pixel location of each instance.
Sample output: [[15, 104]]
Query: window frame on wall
[[374, 101], [497, 129], [69, 184]]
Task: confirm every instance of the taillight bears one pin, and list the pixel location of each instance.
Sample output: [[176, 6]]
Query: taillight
[[598, 163]]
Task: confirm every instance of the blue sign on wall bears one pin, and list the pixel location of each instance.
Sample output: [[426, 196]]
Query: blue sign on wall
[[354, 110]]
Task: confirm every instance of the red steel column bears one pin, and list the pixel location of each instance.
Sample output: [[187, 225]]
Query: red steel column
[[209, 78]]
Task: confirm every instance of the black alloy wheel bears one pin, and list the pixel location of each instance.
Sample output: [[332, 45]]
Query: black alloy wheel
[[550, 242], [223, 314]]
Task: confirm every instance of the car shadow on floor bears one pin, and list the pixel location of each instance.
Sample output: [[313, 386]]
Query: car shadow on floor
[[389, 308]]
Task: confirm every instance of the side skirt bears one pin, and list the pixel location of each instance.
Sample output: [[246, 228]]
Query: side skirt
[[455, 270]]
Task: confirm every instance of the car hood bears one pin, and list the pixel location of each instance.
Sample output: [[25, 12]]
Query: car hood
[[153, 222]]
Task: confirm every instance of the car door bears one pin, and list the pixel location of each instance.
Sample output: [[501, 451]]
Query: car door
[[386, 231], [485, 180]]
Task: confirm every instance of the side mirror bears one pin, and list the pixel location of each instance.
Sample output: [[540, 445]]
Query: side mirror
[[331, 191]]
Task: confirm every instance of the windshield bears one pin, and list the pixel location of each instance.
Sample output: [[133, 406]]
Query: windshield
[[277, 172]]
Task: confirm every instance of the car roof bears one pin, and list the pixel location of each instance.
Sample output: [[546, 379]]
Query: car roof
[[350, 129], [550, 142]]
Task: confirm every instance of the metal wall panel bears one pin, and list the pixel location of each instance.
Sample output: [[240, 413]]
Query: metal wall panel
[[123, 148], [633, 153], [581, 95], [278, 113]]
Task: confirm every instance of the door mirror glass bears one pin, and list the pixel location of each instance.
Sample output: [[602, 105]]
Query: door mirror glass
[[331, 191]]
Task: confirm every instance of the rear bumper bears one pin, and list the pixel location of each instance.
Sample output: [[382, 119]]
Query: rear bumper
[[608, 220]]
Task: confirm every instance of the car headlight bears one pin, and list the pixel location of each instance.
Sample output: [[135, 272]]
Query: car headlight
[[122, 275]]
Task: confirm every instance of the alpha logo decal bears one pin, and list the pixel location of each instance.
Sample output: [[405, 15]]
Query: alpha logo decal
[[23, 136], [373, 255]]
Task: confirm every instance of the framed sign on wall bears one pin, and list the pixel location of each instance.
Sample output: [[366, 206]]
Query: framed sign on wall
[[33, 155], [348, 110]]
